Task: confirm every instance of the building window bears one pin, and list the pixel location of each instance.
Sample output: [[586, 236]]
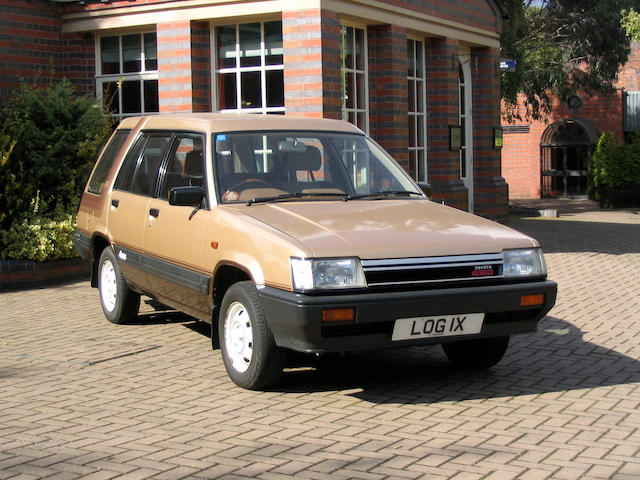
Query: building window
[[250, 67], [127, 79], [417, 110], [355, 105], [462, 115]]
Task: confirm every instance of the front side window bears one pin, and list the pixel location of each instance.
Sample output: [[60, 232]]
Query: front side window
[[139, 171], [250, 67], [127, 76], [417, 110], [354, 77], [184, 164], [256, 166]]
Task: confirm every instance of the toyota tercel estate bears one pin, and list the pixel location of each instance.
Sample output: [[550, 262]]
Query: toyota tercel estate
[[294, 234]]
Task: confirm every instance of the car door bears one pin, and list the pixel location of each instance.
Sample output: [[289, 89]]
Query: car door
[[129, 204], [174, 236]]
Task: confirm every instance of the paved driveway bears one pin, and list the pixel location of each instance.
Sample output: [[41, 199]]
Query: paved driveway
[[80, 397]]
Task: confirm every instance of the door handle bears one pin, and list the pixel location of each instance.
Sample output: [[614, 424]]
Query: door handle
[[154, 212], [115, 202]]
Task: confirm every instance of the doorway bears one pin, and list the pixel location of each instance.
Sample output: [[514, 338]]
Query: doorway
[[566, 147]]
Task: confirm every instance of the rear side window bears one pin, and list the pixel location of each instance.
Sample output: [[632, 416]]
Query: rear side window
[[106, 161]]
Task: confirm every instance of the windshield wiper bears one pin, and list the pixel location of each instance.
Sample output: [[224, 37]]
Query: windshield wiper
[[382, 194], [288, 196]]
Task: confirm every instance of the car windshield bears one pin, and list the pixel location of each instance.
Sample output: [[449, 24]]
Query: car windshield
[[253, 167]]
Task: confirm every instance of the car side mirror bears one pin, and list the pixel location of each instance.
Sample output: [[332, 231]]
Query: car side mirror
[[186, 196], [426, 188]]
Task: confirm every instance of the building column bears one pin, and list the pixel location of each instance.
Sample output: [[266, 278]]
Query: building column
[[182, 50], [443, 164], [388, 93], [491, 192], [311, 45]]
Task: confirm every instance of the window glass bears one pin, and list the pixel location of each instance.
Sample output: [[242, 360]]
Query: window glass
[[249, 70], [184, 165], [106, 161], [416, 85], [273, 43], [150, 52], [354, 77], [249, 34], [128, 77], [144, 181], [110, 55], [131, 53], [267, 164], [128, 168]]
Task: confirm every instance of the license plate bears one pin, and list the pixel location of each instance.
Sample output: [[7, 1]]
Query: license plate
[[438, 326]]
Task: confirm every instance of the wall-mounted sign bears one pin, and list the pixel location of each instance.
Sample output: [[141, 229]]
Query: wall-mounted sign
[[455, 137], [497, 138]]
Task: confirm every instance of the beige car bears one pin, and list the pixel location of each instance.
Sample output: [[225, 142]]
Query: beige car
[[287, 233]]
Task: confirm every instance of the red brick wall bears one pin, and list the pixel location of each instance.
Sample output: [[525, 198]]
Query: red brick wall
[[490, 191], [388, 94], [33, 48], [441, 59], [521, 151]]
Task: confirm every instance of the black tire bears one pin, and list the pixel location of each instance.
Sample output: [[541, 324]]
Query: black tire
[[119, 303], [249, 351], [476, 354]]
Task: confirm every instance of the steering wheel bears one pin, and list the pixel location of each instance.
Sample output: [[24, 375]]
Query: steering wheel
[[248, 183]]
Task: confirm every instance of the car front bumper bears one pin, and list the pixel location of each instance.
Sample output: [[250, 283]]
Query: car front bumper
[[296, 319]]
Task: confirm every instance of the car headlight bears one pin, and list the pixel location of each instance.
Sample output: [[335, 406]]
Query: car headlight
[[326, 273], [527, 262]]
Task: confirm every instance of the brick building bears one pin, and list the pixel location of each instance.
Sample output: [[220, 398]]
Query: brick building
[[420, 76], [551, 157]]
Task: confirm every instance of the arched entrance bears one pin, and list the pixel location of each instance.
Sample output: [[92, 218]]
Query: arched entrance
[[565, 149]]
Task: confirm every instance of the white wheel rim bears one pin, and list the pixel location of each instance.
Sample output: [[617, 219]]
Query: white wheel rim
[[108, 287], [238, 337]]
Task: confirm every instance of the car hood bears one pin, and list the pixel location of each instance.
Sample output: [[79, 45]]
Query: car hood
[[386, 228]]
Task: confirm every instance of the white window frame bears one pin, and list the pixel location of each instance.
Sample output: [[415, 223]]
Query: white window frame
[[121, 77], [414, 113], [466, 149], [352, 70], [237, 70]]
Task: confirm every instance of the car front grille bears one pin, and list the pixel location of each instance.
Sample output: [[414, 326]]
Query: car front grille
[[432, 270]]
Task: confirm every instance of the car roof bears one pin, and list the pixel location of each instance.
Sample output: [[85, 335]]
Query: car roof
[[231, 122]]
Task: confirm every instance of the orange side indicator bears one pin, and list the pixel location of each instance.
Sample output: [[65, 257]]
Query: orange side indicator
[[339, 315], [532, 300], [214, 245]]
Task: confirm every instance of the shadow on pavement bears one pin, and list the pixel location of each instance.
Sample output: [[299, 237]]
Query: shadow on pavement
[[563, 236], [553, 360]]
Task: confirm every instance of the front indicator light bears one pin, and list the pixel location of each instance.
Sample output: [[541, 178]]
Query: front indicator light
[[532, 300], [338, 315]]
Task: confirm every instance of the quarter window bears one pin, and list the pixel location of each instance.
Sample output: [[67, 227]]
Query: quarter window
[[250, 67], [106, 161], [417, 111], [354, 77], [127, 77]]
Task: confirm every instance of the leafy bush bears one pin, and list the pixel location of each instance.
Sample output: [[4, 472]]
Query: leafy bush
[[49, 139], [614, 176], [39, 239]]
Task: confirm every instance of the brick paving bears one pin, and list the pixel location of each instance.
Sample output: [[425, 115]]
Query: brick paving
[[82, 398]]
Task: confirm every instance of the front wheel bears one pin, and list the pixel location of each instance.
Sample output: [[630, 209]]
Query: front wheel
[[476, 354], [249, 351], [119, 303]]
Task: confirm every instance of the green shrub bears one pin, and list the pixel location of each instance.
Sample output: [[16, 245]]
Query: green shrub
[[614, 175], [49, 139], [39, 239]]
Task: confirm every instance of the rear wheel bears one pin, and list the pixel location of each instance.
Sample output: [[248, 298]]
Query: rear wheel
[[476, 354], [120, 304], [249, 351]]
